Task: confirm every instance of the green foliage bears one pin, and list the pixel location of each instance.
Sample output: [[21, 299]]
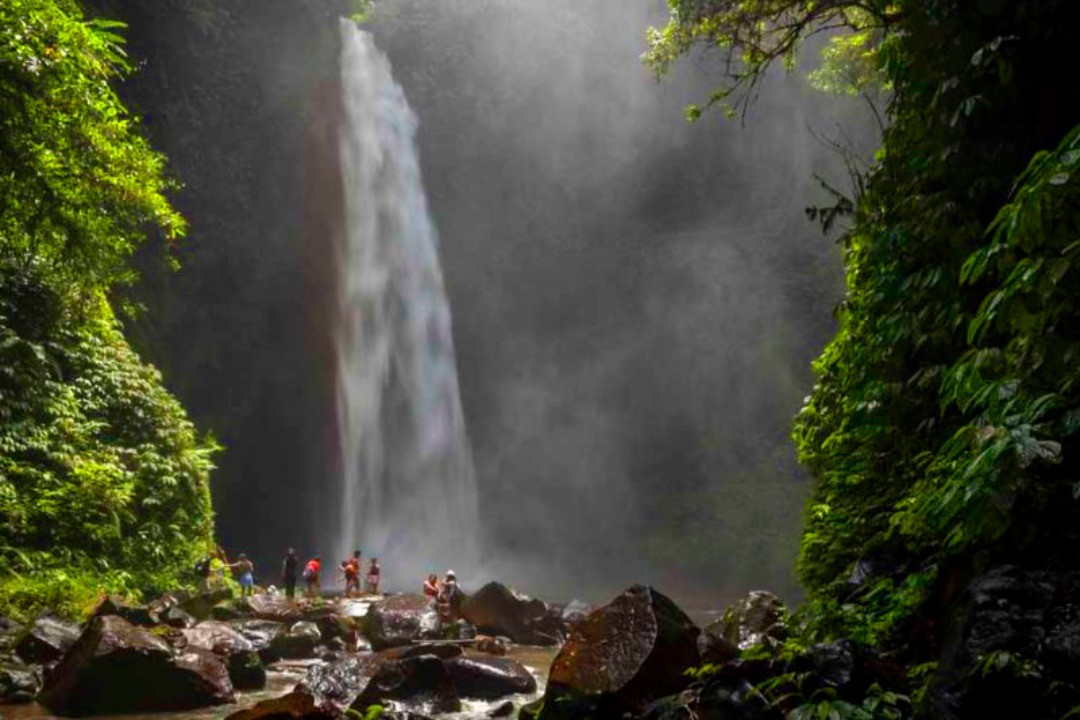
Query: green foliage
[[101, 474], [751, 36], [78, 184], [104, 485], [943, 426]]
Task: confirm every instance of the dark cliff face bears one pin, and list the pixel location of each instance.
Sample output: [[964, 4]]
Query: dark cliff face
[[233, 91]]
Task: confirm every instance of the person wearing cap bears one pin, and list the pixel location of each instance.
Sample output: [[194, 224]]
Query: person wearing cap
[[450, 597]]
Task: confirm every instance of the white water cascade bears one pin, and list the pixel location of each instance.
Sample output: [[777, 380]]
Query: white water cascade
[[408, 487]]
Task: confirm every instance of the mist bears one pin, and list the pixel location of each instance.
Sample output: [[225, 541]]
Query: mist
[[636, 299]]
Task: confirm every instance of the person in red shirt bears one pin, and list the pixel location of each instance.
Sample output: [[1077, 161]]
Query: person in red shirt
[[352, 575], [431, 587], [312, 575]]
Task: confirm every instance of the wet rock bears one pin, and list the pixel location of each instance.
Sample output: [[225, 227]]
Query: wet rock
[[576, 611], [400, 620], [262, 634], [47, 639], [338, 684], [177, 618], [506, 709], [201, 606], [271, 607], [497, 610], [118, 667], [134, 614], [298, 643], [295, 704], [757, 619], [245, 667], [714, 647], [332, 625], [443, 651], [226, 611], [493, 645], [409, 684], [489, 678], [624, 655], [19, 683], [335, 644]]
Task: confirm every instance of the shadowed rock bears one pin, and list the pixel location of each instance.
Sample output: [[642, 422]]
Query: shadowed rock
[[47, 639], [298, 643], [622, 656], [400, 620], [411, 684], [489, 678], [271, 607], [326, 692], [262, 635], [497, 610], [117, 667], [245, 667]]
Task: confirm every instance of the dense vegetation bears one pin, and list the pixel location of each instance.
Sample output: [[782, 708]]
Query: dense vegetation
[[103, 481], [942, 431]]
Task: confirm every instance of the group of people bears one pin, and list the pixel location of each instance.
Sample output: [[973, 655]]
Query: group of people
[[446, 596], [348, 572]]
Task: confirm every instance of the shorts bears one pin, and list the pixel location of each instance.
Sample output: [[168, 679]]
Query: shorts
[[247, 580]]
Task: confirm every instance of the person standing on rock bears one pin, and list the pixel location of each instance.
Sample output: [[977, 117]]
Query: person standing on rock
[[373, 575], [289, 573], [352, 575], [450, 597], [245, 574], [431, 587], [312, 575]]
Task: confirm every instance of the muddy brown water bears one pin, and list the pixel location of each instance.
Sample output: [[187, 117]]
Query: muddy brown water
[[282, 677]]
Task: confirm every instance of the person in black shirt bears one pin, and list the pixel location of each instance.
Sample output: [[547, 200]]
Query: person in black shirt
[[288, 573]]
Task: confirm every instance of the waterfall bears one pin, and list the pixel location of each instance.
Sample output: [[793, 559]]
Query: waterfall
[[408, 490]]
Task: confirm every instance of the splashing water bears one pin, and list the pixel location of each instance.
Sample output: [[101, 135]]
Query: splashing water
[[409, 489]]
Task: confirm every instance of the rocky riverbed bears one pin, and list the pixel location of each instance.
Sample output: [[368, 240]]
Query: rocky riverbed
[[210, 656]]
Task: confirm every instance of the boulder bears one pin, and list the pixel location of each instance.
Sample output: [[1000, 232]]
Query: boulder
[[493, 645], [263, 635], [201, 606], [298, 643], [489, 678], [246, 669], [226, 611], [497, 610], [177, 618], [757, 619], [399, 620], [134, 614], [502, 710], [622, 656], [576, 611], [47, 639], [324, 694], [410, 683], [117, 667], [270, 607], [19, 683], [443, 651]]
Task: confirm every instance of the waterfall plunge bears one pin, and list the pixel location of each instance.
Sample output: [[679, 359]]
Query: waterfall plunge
[[408, 486]]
